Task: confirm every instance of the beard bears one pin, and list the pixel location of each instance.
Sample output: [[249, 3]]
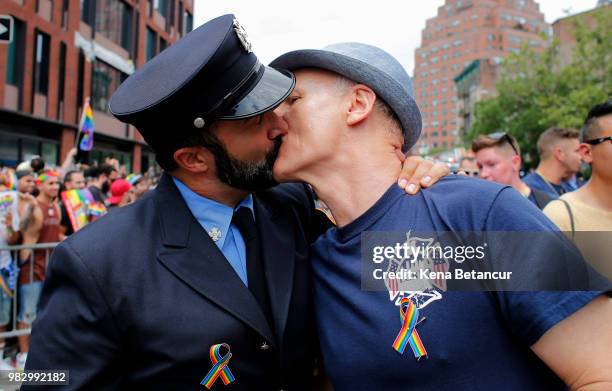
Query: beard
[[245, 175]]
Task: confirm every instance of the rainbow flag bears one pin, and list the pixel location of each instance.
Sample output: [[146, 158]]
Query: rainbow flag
[[96, 209], [409, 315], [87, 127], [76, 202]]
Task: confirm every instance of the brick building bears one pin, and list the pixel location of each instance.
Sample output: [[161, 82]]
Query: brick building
[[63, 51], [464, 31], [475, 83], [563, 29]]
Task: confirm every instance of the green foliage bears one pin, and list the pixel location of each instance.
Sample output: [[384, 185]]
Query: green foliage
[[539, 90]]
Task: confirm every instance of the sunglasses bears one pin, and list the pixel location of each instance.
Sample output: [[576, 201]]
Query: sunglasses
[[498, 136], [599, 140]]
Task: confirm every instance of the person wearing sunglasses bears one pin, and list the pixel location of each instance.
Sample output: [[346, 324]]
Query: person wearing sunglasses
[[499, 160], [586, 214]]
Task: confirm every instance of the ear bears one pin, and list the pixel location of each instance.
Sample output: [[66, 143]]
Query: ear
[[516, 162], [586, 153], [193, 159], [558, 152], [361, 104]]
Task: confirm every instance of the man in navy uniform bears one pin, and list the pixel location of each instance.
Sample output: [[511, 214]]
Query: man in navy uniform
[[212, 259]]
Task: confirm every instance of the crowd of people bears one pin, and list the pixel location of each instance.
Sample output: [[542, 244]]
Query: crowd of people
[[581, 209], [36, 218]]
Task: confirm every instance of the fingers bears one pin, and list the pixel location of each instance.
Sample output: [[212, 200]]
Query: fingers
[[422, 170], [408, 169], [438, 171]]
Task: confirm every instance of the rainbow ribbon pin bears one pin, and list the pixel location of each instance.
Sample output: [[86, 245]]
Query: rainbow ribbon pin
[[409, 315], [220, 368]]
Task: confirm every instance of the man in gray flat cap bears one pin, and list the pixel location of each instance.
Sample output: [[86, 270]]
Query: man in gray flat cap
[[353, 102]]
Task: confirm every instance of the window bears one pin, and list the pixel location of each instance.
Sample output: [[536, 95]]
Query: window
[[105, 80], [180, 18], [444, 57], [80, 80], [161, 6], [188, 22], [87, 11], [444, 132], [61, 81], [114, 21], [445, 46], [455, 23], [16, 55], [65, 6], [41, 63], [457, 43], [171, 16], [151, 43]]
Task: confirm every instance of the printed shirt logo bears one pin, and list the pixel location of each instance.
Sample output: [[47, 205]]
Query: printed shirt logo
[[423, 292]]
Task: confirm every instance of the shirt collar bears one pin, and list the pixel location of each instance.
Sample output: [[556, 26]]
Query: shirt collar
[[211, 214]]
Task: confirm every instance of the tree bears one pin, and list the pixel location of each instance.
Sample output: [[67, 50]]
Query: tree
[[536, 90]]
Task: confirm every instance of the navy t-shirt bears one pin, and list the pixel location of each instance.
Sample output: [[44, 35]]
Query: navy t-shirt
[[535, 181], [474, 340]]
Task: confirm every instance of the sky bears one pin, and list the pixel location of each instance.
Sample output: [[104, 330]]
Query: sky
[[275, 27]]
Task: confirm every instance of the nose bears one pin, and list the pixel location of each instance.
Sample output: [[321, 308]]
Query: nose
[[484, 173], [278, 126]]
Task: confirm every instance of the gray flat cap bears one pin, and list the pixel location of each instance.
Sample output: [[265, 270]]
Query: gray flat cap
[[371, 66]]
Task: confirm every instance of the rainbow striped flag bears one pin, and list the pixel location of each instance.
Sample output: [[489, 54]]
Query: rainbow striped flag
[[76, 202], [96, 209], [87, 127]]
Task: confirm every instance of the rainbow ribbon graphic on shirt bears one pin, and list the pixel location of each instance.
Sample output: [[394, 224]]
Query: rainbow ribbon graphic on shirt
[[220, 368], [409, 315]]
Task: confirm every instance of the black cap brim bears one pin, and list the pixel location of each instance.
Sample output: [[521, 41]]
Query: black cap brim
[[269, 92]]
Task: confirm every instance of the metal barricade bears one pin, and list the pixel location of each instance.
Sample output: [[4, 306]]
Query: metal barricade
[[36, 261]]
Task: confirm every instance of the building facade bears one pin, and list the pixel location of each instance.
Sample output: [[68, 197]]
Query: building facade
[[462, 32], [64, 51], [563, 29]]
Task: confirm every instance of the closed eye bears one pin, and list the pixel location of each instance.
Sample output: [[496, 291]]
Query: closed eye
[[292, 99]]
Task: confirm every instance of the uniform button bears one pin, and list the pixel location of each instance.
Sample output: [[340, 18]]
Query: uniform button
[[264, 346]]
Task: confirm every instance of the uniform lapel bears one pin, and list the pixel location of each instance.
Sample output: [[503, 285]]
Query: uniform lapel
[[277, 248], [191, 255]]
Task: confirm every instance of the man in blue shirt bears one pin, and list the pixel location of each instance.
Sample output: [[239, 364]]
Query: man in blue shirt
[[350, 116], [559, 153]]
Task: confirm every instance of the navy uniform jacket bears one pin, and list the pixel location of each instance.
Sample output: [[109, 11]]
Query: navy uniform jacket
[[135, 300]]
